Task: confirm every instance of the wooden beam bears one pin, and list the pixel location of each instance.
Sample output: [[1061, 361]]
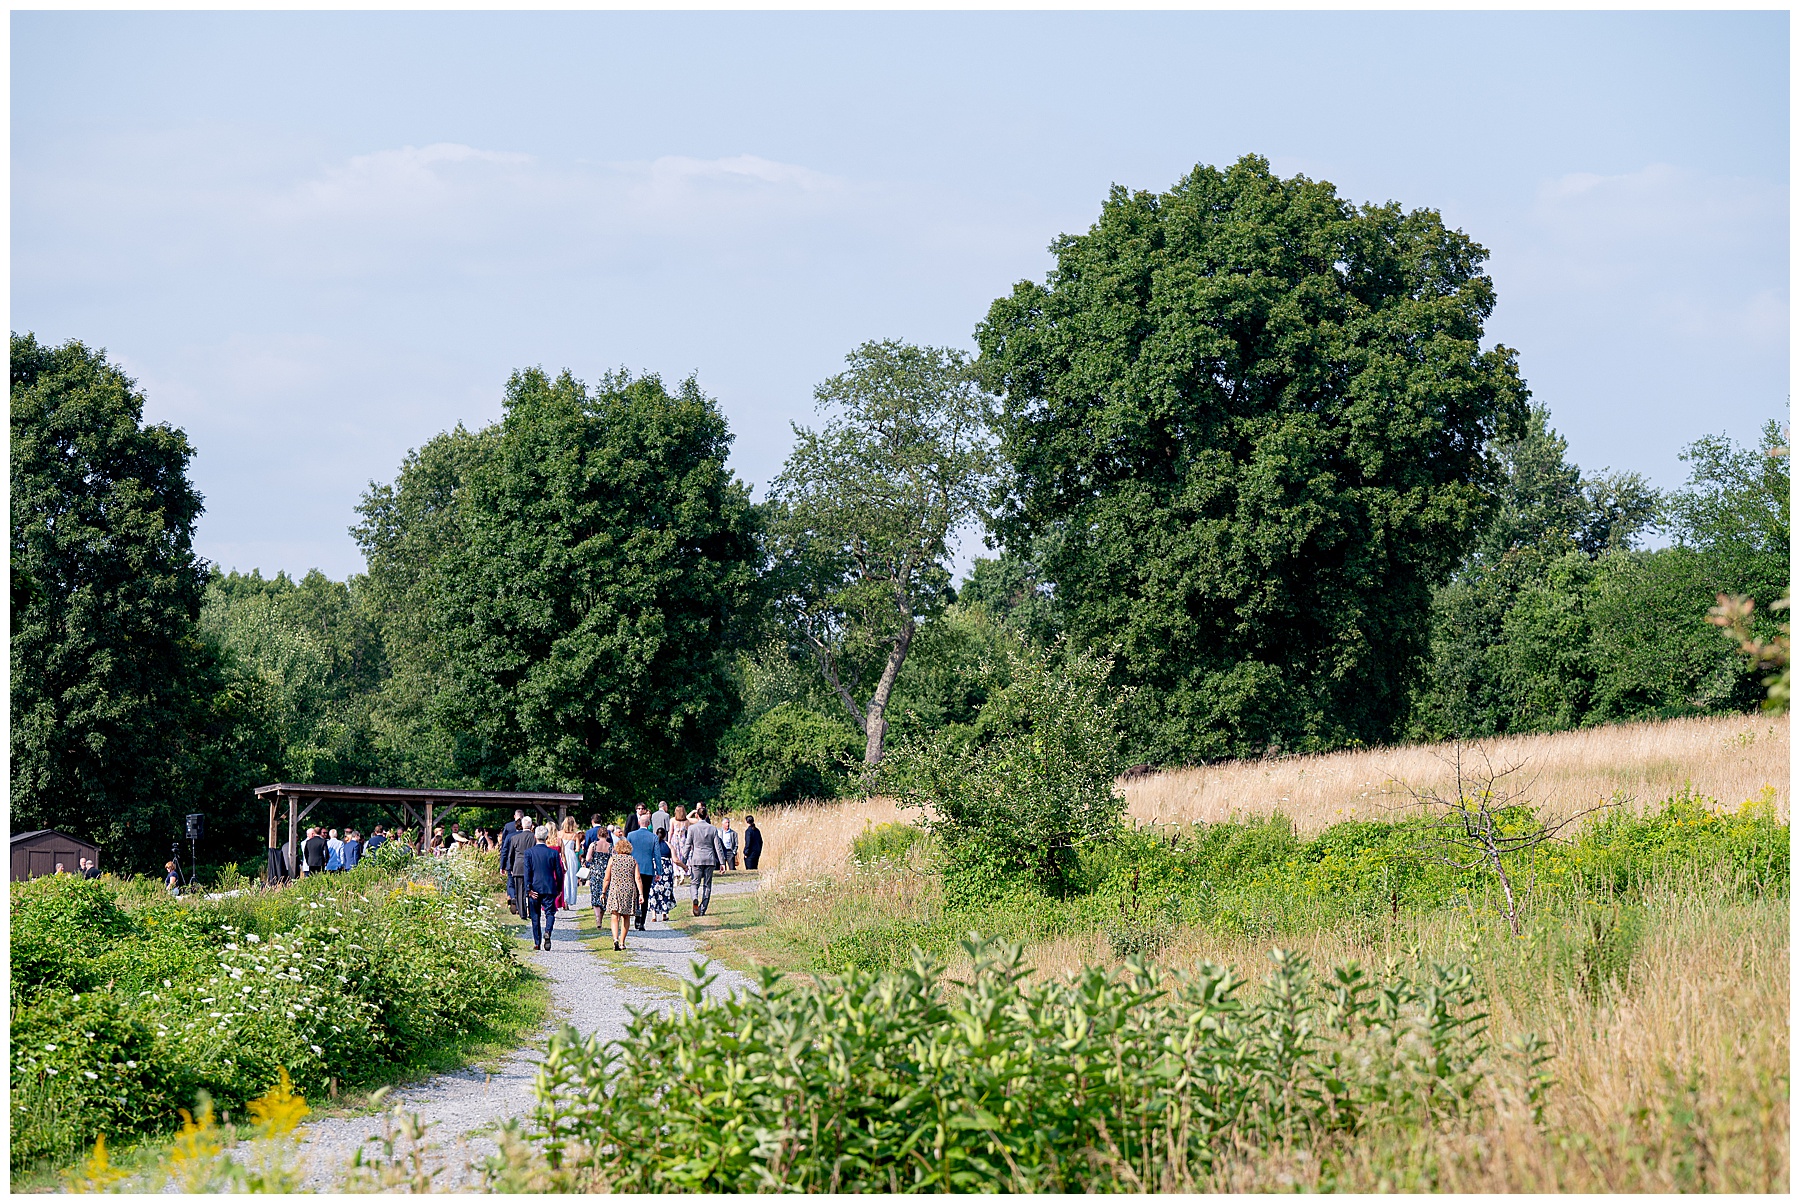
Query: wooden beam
[[430, 832]]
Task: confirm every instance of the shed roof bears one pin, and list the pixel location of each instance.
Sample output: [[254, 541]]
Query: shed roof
[[18, 836]]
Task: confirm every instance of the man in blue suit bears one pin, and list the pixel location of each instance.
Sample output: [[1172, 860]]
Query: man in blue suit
[[543, 881]]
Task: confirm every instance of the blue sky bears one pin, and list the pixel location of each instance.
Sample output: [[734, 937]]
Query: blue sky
[[319, 238]]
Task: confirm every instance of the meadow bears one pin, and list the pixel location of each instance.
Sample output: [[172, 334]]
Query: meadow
[[1651, 974]]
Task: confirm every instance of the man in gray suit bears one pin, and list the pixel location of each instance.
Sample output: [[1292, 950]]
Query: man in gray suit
[[706, 853]]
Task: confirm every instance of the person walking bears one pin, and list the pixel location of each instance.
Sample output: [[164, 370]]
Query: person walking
[[641, 843], [334, 853], [523, 841], [706, 853], [730, 841], [620, 884], [509, 851], [660, 820], [678, 843], [662, 887], [171, 877], [593, 860], [316, 851], [353, 846], [571, 853], [752, 842], [377, 838], [543, 887]]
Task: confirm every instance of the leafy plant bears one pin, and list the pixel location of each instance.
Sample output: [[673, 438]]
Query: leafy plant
[[1036, 780], [891, 1082]]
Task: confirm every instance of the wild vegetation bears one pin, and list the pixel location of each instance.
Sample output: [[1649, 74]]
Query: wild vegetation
[[129, 1006]]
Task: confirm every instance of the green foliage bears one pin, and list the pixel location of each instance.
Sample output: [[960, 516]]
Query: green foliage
[[123, 1014], [1246, 423], [1550, 626], [570, 585], [122, 718], [786, 753], [1036, 780], [1257, 879], [411, 534], [862, 513], [1015, 593], [1543, 500], [890, 1082], [316, 651], [885, 845]]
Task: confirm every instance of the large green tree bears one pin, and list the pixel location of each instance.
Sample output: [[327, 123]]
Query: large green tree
[[1247, 424], [122, 716], [591, 592], [863, 512], [1548, 628], [413, 532], [316, 651]]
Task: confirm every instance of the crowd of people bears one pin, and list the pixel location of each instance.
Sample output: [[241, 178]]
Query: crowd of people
[[632, 869]]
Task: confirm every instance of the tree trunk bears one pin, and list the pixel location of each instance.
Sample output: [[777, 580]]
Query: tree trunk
[[876, 712]]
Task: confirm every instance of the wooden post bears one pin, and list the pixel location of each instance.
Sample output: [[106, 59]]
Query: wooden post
[[293, 844], [430, 832], [268, 871], [562, 813]]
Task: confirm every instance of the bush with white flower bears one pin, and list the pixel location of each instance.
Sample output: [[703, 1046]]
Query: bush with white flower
[[127, 1009]]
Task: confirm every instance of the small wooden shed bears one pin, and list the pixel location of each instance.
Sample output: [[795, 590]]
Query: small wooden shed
[[35, 854]]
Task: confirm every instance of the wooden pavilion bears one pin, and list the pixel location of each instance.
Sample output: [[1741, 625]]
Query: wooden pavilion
[[409, 806]]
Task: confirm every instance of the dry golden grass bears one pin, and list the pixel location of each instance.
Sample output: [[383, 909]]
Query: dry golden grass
[[1730, 758], [809, 840], [1677, 1081]]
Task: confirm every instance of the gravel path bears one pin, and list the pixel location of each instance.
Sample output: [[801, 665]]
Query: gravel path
[[462, 1107]]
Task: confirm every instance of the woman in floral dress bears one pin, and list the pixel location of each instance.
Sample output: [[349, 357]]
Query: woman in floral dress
[[620, 886], [662, 888]]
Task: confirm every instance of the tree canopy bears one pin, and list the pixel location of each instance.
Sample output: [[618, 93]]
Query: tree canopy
[[1247, 425], [584, 607], [122, 717], [863, 512]]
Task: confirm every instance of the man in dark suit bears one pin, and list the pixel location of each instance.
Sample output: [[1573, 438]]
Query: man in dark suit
[[508, 854], [542, 883], [752, 842], [317, 849]]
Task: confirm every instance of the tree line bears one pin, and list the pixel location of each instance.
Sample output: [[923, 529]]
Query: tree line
[[1243, 448]]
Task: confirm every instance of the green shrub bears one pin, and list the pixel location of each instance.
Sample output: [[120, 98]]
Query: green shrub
[[1034, 783], [890, 1082], [885, 845], [788, 752], [124, 1014]]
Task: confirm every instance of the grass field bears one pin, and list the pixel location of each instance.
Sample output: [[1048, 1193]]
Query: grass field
[[1666, 1010], [1730, 758]]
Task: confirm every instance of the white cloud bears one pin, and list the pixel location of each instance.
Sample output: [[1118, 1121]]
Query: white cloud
[[394, 182], [1683, 210]]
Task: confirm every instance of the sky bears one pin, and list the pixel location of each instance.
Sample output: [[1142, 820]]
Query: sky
[[318, 239]]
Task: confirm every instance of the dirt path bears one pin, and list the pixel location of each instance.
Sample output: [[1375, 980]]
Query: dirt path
[[462, 1107]]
